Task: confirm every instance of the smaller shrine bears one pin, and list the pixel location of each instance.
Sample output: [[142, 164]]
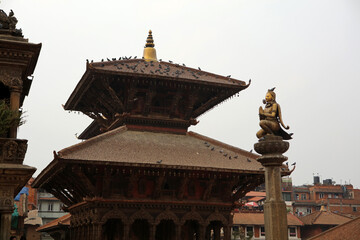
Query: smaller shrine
[[18, 59]]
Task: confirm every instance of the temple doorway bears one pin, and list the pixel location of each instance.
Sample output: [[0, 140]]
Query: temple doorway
[[140, 230], [113, 229], [214, 231], [165, 230], [190, 230]]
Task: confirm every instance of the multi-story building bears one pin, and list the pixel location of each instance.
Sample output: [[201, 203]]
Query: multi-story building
[[334, 197], [49, 209]]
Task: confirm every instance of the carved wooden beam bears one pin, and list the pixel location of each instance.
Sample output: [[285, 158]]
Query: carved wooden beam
[[150, 94], [230, 185], [182, 187], [208, 189], [106, 184], [131, 95], [132, 182], [118, 102], [193, 97], [158, 185], [57, 193], [85, 180], [175, 102], [212, 101], [72, 186], [247, 183]]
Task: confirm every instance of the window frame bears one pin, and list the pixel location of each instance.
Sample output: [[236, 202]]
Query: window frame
[[295, 231]]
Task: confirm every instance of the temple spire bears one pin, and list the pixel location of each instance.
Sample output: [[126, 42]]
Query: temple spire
[[149, 50]]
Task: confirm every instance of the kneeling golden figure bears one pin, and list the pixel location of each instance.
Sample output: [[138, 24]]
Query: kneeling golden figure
[[270, 118]]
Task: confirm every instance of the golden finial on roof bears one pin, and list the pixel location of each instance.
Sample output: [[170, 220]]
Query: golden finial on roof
[[149, 50]]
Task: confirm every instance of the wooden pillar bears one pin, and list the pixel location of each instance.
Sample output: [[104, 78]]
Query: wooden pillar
[[152, 231], [97, 231], [202, 230], [126, 231], [227, 232], [178, 231], [217, 231]]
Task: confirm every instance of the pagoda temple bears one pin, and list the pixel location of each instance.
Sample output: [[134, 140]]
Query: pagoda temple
[[139, 173]]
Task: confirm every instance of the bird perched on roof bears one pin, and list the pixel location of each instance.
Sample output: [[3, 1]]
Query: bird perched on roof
[[221, 151], [251, 150], [212, 149], [159, 161], [199, 68], [108, 59], [102, 59], [170, 61], [160, 60], [135, 57], [87, 60], [293, 164], [236, 156], [248, 160], [184, 65], [92, 61], [228, 76]]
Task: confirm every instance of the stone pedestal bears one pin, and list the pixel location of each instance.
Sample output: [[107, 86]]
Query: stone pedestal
[[271, 149]]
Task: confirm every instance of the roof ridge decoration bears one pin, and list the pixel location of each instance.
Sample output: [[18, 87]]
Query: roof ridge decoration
[[149, 50], [150, 40], [8, 24]]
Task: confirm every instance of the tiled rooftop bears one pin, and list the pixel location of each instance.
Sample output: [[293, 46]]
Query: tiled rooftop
[[257, 218], [163, 150]]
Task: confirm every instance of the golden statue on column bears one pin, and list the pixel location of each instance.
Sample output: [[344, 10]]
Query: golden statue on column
[[270, 118]]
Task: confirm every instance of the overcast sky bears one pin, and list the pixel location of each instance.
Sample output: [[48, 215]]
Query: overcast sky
[[309, 50]]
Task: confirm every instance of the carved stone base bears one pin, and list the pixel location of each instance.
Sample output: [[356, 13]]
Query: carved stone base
[[271, 148]]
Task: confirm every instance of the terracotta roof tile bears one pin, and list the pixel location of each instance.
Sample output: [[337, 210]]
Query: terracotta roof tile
[[257, 218], [64, 220], [324, 218], [346, 231], [162, 70], [255, 199], [255, 194], [162, 149]]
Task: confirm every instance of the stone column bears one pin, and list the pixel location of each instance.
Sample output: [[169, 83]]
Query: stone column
[[271, 148], [5, 225], [6, 209]]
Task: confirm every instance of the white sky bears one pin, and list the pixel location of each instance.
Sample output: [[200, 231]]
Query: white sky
[[309, 50]]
